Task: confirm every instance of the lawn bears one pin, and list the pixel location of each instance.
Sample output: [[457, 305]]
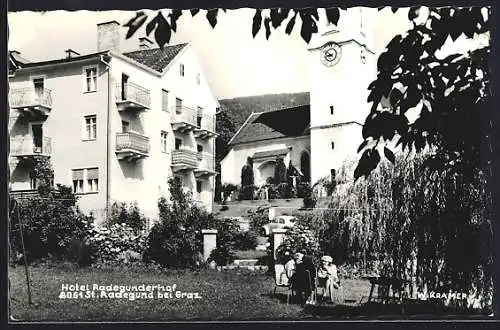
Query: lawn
[[226, 295]]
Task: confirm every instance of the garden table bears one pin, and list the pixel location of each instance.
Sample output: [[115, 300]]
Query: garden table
[[394, 282]]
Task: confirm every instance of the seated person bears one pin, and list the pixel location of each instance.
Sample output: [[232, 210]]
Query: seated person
[[302, 279], [286, 276], [327, 276]]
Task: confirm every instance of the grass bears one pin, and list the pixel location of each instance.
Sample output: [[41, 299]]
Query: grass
[[227, 295]]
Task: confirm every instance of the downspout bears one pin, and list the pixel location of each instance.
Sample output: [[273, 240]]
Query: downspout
[[108, 139]]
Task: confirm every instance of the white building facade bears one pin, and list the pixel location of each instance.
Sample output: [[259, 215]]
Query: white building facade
[[115, 125]]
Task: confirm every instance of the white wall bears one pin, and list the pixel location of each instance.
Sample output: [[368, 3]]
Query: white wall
[[233, 162]]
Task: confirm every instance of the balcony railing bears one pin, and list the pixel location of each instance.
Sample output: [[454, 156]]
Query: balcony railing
[[30, 98], [183, 118], [184, 159], [206, 164], [206, 126], [133, 96], [131, 146], [29, 147]]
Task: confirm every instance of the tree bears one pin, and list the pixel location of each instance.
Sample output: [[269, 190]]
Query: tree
[[280, 171], [247, 177], [226, 128], [451, 95]]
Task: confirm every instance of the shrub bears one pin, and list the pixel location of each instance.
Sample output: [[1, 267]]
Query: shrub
[[114, 242], [309, 199], [52, 223], [280, 171], [228, 189], [176, 240], [247, 193], [286, 190], [257, 219], [303, 189], [222, 256], [247, 178], [300, 238], [130, 215], [245, 240]]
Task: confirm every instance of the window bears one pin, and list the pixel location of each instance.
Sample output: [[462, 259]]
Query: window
[[199, 186], [90, 127], [178, 105], [333, 173], [85, 180], [198, 79], [125, 126], [200, 148], [77, 177], [90, 74], [163, 141], [331, 109], [92, 180], [181, 70], [178, 143], [164, 100], [333, 145], [199, 117]]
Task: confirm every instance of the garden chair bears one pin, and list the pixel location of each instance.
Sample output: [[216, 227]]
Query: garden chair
[[337, 294], [278, 282]]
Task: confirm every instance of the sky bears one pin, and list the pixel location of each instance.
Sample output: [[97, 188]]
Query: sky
[[234, 63]]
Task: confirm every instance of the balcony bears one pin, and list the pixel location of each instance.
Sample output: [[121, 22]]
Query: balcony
[[133, 97], [183, 160], [27, 148], [183, 119], [205, 127], [32, 101], [131, 146], [206, 166]]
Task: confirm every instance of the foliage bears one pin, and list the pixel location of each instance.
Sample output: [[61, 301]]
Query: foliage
[[300, 238], [450, 95], [303, 189], [270, 18], [227, 231], [309, 199], [43, 173], [247, 192], [247, 178], [130, 215], [226, 127], [228, 189], [257, 218], [239, 108], [114, 241], [412, 222], [245, 240], [286, 190], [52, 226], [280, 171], [176, 240]]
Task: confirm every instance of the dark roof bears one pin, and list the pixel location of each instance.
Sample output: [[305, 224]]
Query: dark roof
[[289, 122], [63, 60], [156, 58], [270, 153]]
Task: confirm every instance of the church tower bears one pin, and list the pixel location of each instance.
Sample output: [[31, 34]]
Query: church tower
[[342, 64]]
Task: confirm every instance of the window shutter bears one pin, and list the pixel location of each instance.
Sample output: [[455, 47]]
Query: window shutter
[[92, 173], [77, 175]]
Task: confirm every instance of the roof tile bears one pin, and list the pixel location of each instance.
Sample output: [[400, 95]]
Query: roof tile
[[156, 58]]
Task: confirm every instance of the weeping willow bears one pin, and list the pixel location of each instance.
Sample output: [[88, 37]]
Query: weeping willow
[[430, 228]]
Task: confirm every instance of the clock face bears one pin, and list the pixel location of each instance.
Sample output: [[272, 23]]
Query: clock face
[[330, 54]]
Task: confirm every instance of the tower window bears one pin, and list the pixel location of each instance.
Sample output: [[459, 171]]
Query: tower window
[[333, 145], [331, 109]]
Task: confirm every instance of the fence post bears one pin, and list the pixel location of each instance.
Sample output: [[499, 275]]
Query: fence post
[[272, 213], [278, 237], [209, 242]]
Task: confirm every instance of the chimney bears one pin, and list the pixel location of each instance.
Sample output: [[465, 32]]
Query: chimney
[[145, 43], [108, 36]]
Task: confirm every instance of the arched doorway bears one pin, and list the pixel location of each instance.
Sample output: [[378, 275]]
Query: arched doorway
[[305, 165]]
